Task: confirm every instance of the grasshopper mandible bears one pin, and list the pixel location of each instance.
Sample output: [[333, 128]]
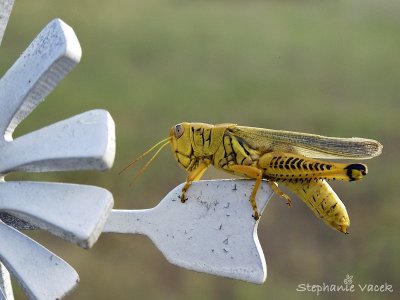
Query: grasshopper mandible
[[285, 157]]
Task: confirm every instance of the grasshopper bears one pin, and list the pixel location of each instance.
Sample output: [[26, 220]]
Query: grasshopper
[[285, 157]]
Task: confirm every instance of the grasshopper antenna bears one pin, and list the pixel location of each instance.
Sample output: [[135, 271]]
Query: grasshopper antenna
[[144, 154], [163, 143]]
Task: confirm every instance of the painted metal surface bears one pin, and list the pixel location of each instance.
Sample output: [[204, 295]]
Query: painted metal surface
[[87, 141], [212, 232]]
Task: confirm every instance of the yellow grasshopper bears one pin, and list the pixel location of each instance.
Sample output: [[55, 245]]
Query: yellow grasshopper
[[278, 156]]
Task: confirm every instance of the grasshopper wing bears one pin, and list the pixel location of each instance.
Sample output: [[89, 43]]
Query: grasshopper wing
[[309, 145]]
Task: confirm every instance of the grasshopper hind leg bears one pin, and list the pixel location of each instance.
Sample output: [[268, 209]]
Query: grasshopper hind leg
[[274, 187], [323, 201], [356, 171]]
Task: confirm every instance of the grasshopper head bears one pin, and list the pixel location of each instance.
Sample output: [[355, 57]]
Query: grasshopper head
[[181, 144]]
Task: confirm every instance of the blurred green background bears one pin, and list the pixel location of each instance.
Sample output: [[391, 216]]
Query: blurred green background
[[325, 67]]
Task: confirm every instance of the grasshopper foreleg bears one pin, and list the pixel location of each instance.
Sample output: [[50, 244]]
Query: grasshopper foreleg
[[193, 176]]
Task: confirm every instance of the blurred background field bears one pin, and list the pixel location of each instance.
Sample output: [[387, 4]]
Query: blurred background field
[[325, 67]]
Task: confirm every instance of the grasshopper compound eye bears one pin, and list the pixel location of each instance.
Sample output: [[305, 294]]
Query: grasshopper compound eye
[[178, 130]]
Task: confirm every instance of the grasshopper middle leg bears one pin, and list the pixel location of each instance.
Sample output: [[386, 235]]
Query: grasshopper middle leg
[[251, 172]]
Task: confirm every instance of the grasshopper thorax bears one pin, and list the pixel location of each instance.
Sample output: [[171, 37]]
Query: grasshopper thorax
[[192, 142]]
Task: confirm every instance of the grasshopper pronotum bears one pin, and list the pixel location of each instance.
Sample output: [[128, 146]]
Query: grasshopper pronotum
[[278, 156]]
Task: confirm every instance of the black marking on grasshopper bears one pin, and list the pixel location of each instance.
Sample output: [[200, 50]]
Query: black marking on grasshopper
[[242, 144], [299, 163], [295, 161], [233, 148], [358, 167]]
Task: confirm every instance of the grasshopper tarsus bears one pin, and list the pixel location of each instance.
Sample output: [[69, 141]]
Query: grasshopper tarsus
[[183, 198], [256, 216]]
